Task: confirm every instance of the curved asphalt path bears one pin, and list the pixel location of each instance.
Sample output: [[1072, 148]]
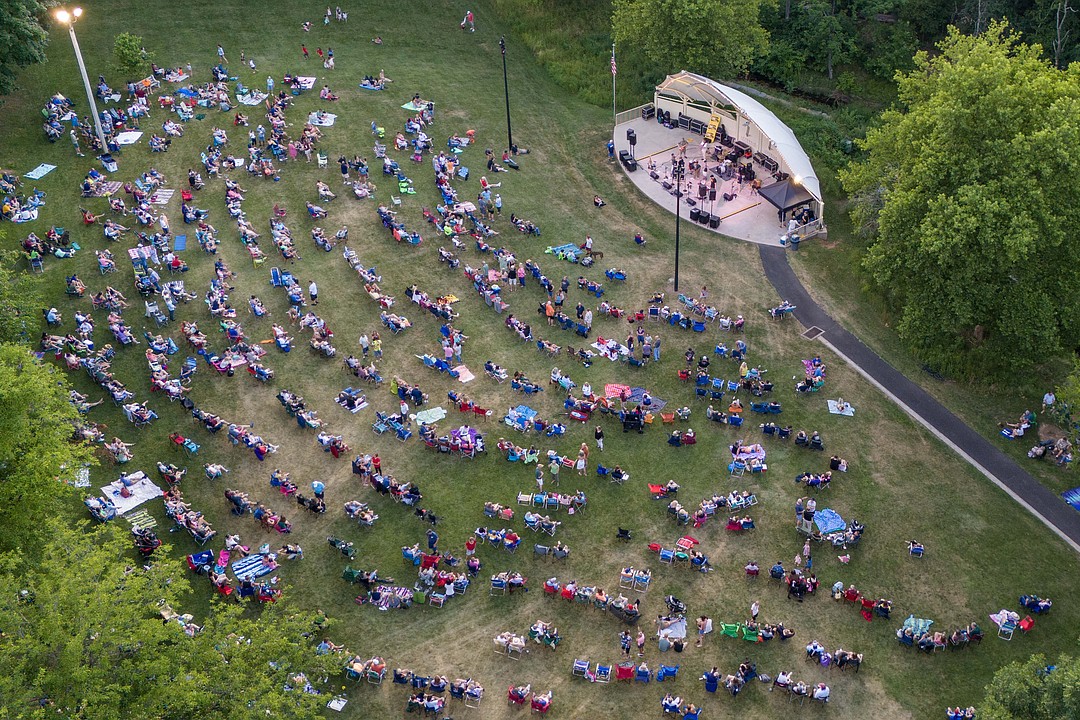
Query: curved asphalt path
[[1002, 470]]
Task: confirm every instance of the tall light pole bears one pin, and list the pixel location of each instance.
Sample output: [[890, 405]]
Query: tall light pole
[[69, 19], [677, 172], [506, 91]]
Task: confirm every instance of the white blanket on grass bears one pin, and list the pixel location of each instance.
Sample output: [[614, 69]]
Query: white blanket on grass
[[142, 489]]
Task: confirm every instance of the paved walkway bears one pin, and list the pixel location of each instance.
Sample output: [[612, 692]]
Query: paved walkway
[[1002, 470]]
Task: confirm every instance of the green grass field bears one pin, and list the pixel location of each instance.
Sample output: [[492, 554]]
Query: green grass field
[[983, 550]]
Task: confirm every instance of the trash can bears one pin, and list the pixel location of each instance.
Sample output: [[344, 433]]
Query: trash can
[[793, 240], [108, 162]]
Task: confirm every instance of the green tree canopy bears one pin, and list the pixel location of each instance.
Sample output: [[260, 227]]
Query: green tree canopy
[[968, 197], [719, 38], [20, 300], [88, 641], [130, 55], [1027, 691], [36, 447], [22, 39]]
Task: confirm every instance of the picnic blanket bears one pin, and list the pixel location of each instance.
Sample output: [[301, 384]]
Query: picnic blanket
[[180, 243], [128, 137], [464, 374], [637, 394], [306, 83], [673, 631], [403, 594], [829, 521], [337, 704], [613, 390], [162, 197], [430, 416], [252, 98], [141, 518], [413, 107], [834, 408], [82, 477], [25, 216], [750, 452], [254, 566], [108, 188], [610, 348], [176, 77], [519, 416], [917, 626], [321, 119], [1002, 616], [40, 171], [1072, 497], [569, 251], [370, 87], [141, 488]]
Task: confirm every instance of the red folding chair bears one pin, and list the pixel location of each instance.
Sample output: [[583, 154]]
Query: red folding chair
[[867, 609]]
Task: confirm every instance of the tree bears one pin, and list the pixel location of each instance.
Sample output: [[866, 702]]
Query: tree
[[712, 37], [36, 449], [130, 55], [965, 196], [1030, 691], [87, 641], [22, 39], [20, 300]]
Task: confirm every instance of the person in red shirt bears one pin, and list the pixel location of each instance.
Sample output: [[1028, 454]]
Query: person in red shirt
[[303, 49], [470, 547]]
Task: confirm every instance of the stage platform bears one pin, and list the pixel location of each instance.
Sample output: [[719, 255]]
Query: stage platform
[[747, 217]]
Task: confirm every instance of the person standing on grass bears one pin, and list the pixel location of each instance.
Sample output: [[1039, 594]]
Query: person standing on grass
[[755, 608], [365, 344], [376, 345], [554, 469], [704, 626], [581, 463], [221, 55], [304, 51], [75, 143], [432, 540], [599, 436], [269, 85], [641, 643], [624, 643], [313, 291], [656, 348], [539, 478]]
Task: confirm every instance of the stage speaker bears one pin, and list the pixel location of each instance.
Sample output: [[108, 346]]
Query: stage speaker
[[704, 218], [712, 194], [631, 137], [695, 215], [666, 184], [714, 222], [654, 175]]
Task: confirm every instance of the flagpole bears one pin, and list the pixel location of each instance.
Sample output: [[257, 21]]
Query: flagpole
[[613, 73]]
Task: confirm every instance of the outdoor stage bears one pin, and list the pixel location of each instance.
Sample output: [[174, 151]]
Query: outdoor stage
[[748, 217]]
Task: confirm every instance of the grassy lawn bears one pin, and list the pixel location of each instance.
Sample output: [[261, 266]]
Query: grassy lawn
[[983, 551]]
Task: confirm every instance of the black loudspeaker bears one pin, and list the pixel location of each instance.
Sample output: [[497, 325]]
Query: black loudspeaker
[[695, 215], [654, 175], [712, 194], [704, 218], [714, 222], [666, 184], [631, 137]]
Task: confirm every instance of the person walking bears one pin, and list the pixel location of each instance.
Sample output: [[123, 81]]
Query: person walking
[[304, 50], [313, 291], [432, 540], [221, 55], [599, 436], [755, 608]]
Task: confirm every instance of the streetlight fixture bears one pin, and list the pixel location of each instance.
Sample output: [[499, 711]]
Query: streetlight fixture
[[678, 170], [69, 19], [506, 91]]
